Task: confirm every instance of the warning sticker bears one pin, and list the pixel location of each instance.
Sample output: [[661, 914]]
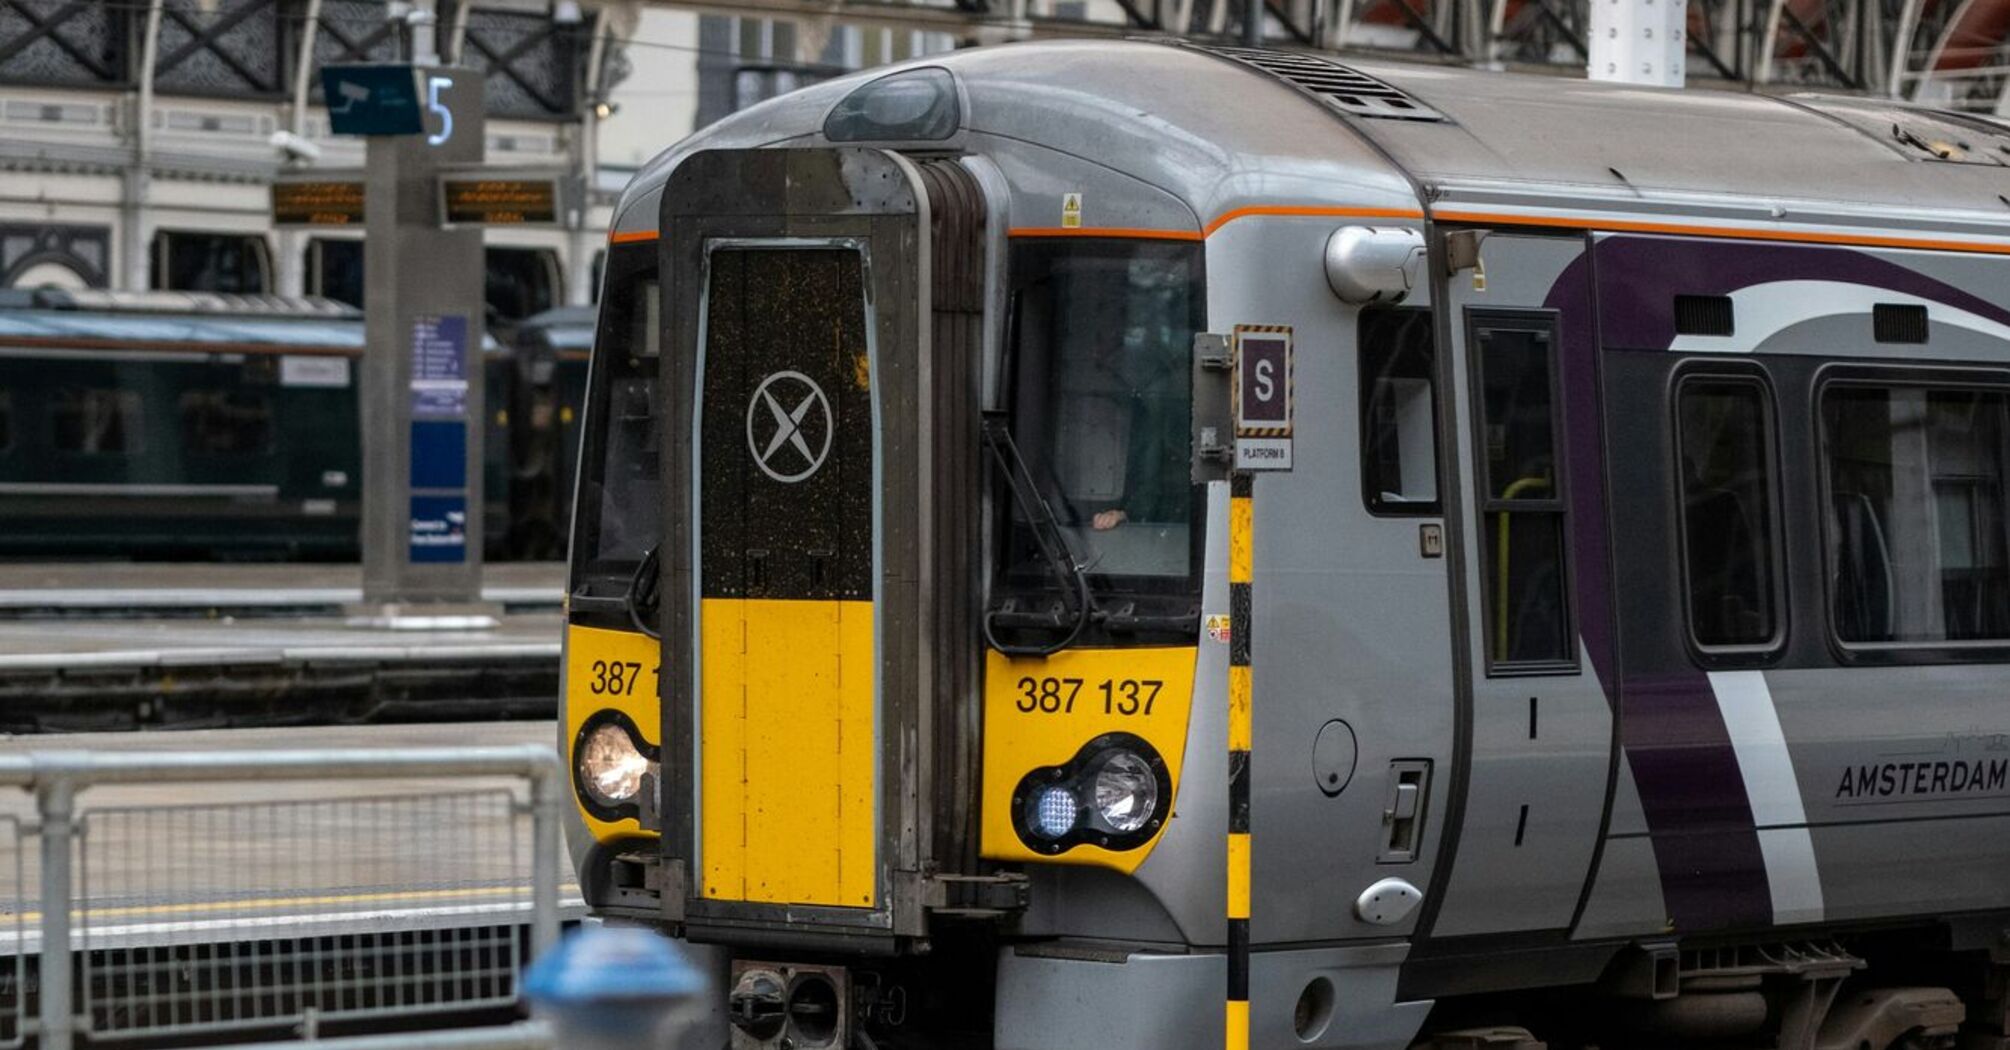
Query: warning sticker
[[1217, 627], [1071, 211]]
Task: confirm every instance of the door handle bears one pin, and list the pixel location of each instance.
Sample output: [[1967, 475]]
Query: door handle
[[1403, 810]]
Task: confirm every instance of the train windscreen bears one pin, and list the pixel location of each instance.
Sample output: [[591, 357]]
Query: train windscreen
[[620, 496], [1101, 406]]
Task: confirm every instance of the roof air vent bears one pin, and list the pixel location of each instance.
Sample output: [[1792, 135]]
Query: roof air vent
[[1345, 89]]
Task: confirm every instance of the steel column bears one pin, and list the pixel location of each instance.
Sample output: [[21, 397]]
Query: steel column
[[547, 791], [55, 802]]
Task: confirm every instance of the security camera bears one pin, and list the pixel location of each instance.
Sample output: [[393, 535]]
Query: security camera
[[296, 148]]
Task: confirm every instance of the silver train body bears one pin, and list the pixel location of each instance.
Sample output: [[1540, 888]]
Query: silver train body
[[1629, 639]]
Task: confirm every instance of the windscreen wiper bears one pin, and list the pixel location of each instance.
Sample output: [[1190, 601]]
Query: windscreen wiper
[[641, 597], [1053, 546]]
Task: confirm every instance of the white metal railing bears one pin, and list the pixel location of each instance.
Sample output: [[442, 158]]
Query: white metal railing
[[525, 1035], [14, 923], [186, 915]]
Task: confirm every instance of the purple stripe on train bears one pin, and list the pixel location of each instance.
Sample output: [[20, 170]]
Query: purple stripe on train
[[1705, 845], [1639, 277], [1698, 813]]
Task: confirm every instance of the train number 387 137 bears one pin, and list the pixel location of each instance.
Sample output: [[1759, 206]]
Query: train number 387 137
[[1059, 696]]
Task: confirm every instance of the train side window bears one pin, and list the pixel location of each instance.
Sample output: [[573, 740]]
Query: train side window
[[619, 510], [96, 420], [226, 422], [198, 261], [1522, 505], [6, 421], [1919, 533], [1399, 446], [519, 282], [1730, 531]]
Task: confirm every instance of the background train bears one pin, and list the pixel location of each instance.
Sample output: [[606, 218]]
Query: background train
[[1630, 638], [194, 425]]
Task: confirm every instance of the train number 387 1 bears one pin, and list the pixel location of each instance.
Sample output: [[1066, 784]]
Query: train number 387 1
[[1058, 696]]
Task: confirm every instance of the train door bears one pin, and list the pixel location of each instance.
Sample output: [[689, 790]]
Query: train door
[[799, 517], [1538, 726]]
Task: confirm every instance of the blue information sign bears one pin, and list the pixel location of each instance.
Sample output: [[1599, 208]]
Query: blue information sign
[[373, 99], [439, 445], [440, 366], [439, 529], [439, 454]]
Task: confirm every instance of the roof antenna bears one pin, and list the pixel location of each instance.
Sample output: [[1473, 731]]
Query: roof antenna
[[1621, 176]]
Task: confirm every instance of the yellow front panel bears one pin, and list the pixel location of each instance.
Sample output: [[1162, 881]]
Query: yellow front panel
[[1149, 695], [787, 754], [611, 670]]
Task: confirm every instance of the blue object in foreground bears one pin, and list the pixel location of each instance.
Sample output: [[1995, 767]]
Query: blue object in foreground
[[617, 983]]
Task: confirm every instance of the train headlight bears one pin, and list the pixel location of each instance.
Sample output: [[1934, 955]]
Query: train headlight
[[1114, 794], [611, 766], [1126, 791], [1056, 811]]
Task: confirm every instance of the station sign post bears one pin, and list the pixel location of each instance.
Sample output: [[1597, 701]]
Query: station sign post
[[1263, 406], [422, 404]]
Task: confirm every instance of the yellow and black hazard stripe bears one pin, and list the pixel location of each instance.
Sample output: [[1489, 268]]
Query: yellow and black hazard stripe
[[1241, 519]]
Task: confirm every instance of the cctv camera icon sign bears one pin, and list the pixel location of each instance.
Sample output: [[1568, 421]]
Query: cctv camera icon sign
[[373, 99], [351, 94]]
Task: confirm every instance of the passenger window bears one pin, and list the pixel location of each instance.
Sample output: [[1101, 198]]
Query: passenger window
[[1917, 522], [1522, 508], [226, 422], [96, 420], [1730, 541], [1399, 446]]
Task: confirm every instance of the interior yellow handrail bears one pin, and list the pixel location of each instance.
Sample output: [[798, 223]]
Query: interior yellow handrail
[[1502, 544]]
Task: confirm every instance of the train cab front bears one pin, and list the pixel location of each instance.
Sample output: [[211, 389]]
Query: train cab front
[[886, 588]]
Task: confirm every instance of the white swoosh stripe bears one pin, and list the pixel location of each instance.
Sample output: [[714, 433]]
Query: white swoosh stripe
[[1773, 792], [1765, 310], [1792, 875]]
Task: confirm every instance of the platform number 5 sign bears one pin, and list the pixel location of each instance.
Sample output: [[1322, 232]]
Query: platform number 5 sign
[[1263, 397], [435, 85]]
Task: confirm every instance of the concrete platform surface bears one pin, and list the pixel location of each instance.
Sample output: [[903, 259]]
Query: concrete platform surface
[[55, 588], [152, 642], [113, 646]]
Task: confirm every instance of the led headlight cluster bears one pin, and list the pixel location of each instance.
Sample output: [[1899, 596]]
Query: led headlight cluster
[[614, 770], [1114, 793]]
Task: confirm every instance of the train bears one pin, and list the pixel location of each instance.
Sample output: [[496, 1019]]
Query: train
[[178, 425], [1618, 662]]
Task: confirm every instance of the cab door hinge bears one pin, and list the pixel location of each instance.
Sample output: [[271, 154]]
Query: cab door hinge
[[1213, 429]]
